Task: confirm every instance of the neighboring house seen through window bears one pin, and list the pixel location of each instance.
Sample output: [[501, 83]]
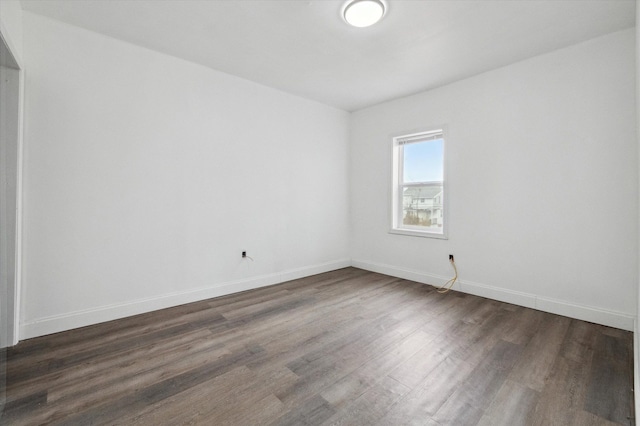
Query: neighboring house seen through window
[[418, 184]]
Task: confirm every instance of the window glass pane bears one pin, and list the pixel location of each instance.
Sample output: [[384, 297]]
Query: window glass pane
[[422, 206], [423, 161]]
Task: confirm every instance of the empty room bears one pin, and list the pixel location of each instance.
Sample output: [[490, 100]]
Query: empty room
[[319, 212]]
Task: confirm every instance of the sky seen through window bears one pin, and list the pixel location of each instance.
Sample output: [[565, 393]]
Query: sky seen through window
[[423, 161]]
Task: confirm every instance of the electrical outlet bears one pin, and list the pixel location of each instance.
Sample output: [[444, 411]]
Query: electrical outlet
[[244, 254], [451, 258]]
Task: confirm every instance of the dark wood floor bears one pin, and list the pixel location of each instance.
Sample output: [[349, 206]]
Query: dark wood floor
[[347, 347]]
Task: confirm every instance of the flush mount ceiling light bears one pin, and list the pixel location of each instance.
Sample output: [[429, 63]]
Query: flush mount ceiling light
[[363, 13]]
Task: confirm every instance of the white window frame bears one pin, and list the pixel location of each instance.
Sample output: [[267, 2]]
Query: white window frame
[[397, 227]]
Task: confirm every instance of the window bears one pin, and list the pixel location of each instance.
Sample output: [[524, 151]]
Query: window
[[418, 194]]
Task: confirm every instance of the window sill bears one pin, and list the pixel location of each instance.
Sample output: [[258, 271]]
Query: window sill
[[416, 233]]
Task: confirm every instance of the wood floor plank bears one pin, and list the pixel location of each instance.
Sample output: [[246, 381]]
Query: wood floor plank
[[370, 373], [513, 406], [583, 418], [107, 413], [226, 399], [428, 397], [458, 412], [121, 388], [59, 363], [371, 405], [137, 360], [58, 345], [190, 404], [580, 341], [534, 368], [322, 370], [346, 347], [459, 340], [608, 390], [472, 342], [25, 406], [468, 403], [312, 412], [523, 325], [563, 396]]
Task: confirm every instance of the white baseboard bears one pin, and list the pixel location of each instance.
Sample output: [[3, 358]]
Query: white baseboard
[[68, 321], [560, 307]]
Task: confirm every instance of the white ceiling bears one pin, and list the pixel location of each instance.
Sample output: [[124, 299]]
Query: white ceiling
[[305, 48]]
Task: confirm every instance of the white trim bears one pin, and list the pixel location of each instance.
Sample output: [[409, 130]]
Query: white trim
[[81, 318], [416, 233], [555, 306], [429, 135], [19, 212], [396, 201], [14, 333]]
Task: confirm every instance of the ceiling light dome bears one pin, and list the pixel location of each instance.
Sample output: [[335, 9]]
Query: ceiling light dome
[[363, 13]]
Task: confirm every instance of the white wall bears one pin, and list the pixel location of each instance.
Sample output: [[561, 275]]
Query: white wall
[[543, 183], [11, 26], [146, 176]]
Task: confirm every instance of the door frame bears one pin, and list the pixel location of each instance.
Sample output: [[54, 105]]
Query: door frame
[[11, 60]]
